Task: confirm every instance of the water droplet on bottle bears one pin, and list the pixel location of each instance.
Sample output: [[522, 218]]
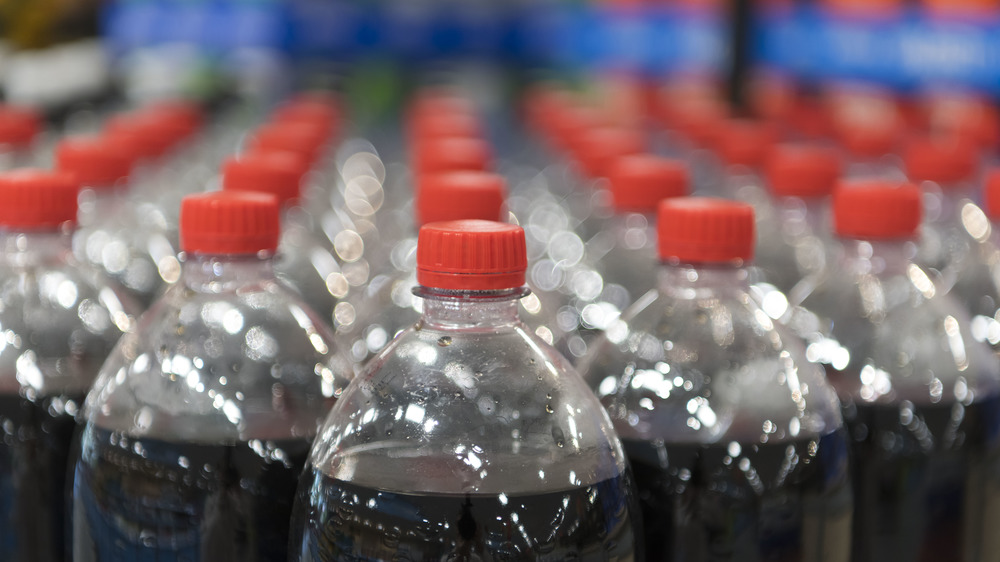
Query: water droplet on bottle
[[548, 408], [444, 341]]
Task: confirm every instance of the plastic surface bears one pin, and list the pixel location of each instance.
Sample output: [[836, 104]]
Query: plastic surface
[[95, 161], [919, 395], [802, 171], [37, 199], [451, 154], [638, 182], [206, 410], [229, 223], [471, 255], [460, 195], [705, 230], [946, 161], [19, 126], [274, 172], [876, 210], [62, 319], [469, 425], [744, 143], [723, 420]]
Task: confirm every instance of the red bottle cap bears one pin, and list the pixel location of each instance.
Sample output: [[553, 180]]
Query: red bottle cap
[[303, 139], [229, 222], [186, 116], [451, 154], [705, 230], [876, 209], [19, 125], [37, 199], [570, 123], [146, 138], [316, 109], [95, 161], [802, 171], [460, 195], [943, 160], [471, 255], [277, 173], [991, 194], [596, 149], [868, 140], [744, 143], [640, 181], [440, 125]]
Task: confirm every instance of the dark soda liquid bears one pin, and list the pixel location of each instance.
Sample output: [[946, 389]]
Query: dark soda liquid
[[926, 480], [140, 500], [777, 501], [357, 523], [34, 453]]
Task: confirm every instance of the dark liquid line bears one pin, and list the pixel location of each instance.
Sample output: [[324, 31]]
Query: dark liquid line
[[34, 452], [343, 521], [926, 480], [777, 501], [141, 500]]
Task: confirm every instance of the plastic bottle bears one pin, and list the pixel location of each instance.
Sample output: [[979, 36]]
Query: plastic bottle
[[199, 424], [467, 438], [736, 440], [61, 319], [139, 254], [792, 218], [610, 270], [742, 146], [920, 397], [303, 260], [387, 305]]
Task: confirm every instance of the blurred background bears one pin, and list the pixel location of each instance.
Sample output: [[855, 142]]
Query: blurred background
[[770, 59]]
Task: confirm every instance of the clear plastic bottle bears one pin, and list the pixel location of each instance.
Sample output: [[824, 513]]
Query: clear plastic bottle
[[617, 265], [792, 219], [304, 261], [61, 319], [139, 254], [467, 438], [387, 306], [920, 397], [200, 422], [955, 242], [735, 439]]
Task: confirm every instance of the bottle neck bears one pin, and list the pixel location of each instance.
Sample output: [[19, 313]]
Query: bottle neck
[[218, 273], [877, 257], [696, 281], [29, 247], [470, 310]]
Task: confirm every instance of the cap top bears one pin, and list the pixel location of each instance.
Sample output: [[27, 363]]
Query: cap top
[[276, 172], [802, 171], [229, 223], [451, 154], [19, 125], [95, 161], [640, 181], [705, 230], [37, 199], [471, 255], [460, 195], [944, 160], [876, 209]]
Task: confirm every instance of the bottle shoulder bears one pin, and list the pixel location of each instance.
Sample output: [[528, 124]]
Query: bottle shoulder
[[451, 412], [252, 362], [705, 368]]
